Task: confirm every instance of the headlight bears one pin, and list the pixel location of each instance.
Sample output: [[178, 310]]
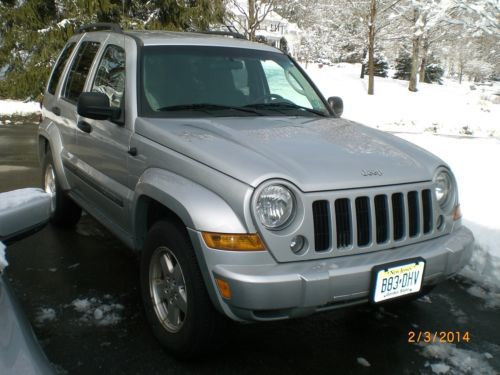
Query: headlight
[[275, 206], [445, 190]]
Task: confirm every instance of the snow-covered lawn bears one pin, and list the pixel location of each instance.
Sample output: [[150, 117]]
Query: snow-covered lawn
[[447, 108]]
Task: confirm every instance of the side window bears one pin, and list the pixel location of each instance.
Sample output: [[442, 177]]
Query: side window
[[80, 69], [58, 69], [110, 76]]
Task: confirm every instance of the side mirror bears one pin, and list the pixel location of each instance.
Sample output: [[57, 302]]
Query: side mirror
[[337, 105], [95, 105], [23, 212]]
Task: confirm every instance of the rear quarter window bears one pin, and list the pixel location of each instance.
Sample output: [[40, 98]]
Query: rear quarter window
[[59, 67], [80, 69]]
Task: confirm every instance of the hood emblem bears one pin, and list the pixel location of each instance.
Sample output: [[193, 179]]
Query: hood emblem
[[371, 172]]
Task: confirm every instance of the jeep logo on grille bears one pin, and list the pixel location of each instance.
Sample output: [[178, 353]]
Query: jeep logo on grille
[[371, 172]]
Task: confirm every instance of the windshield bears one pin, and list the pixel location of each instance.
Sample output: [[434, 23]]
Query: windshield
[[187, 81]]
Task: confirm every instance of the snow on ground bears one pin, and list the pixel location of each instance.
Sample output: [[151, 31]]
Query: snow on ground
[[363, 362], [15, 107], [448, 359], [45, 315], [96, 311], [3, 260], [448, 108]]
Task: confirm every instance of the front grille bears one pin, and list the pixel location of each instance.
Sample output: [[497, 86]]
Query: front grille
[[372, 219]]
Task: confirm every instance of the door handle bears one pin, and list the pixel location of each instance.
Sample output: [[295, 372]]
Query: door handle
[[56, 111], [84, 126]]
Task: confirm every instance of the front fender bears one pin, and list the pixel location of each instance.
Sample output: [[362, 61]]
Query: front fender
[[51, 133], [198, 208]]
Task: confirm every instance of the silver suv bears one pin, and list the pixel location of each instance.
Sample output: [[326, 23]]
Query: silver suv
[[248, 197]]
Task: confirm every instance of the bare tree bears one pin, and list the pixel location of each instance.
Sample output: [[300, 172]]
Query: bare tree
[[418, 21], [251, 14]]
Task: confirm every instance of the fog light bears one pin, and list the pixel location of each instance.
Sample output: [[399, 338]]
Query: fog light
[[297, 244]]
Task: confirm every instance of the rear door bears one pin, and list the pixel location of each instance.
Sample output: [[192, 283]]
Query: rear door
[[65, 106]]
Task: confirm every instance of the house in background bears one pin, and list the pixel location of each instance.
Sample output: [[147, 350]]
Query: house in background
[[273, 30]]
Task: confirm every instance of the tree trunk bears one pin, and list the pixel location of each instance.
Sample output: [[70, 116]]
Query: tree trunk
[[414, 57], [363, 65], [423, 64], [371, 47], [251, 20]]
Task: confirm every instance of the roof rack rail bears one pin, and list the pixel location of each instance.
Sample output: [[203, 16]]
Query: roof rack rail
[[226, 33], [101, 26]]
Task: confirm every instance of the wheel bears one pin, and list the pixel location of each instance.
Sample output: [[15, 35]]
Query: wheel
[[175, 299], [64, 212]]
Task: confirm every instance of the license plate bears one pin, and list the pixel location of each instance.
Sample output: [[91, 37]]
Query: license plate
[[397, 279]]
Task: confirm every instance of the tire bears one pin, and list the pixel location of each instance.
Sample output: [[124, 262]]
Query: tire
[[64, 212], [174, 295]]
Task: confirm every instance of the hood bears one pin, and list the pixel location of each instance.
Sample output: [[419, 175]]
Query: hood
[[313, 153]]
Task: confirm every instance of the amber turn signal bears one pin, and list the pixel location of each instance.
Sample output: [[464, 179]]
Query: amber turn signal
[[234, 242], [457, 213], [224, 289]]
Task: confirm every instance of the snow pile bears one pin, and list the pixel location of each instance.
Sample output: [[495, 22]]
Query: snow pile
[[450, 108], [15, 107], [363, 362], [3, 260], [452, 360], [95, 311], [45, 315]]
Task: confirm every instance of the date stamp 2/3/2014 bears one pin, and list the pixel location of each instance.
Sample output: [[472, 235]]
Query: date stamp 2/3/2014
[[445, 337]]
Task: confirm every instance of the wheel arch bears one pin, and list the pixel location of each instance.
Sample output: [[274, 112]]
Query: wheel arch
[[163, 194]]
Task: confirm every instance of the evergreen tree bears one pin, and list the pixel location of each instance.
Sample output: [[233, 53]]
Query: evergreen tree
[[403, 66], [33, 32], [380, 65], [433, 71]]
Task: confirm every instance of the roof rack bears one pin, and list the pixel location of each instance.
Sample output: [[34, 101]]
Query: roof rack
[[101, 26], [226, 33]]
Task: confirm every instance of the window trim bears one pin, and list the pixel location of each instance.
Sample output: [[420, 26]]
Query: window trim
[[73, 61], [73, 45]]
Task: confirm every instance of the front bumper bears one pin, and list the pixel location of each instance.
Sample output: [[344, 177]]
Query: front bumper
[[265, 290]]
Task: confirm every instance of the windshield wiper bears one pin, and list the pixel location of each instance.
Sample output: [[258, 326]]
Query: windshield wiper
[[279, 106], [208, 107]]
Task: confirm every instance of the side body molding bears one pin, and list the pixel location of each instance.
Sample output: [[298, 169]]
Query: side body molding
[[199, 208]]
